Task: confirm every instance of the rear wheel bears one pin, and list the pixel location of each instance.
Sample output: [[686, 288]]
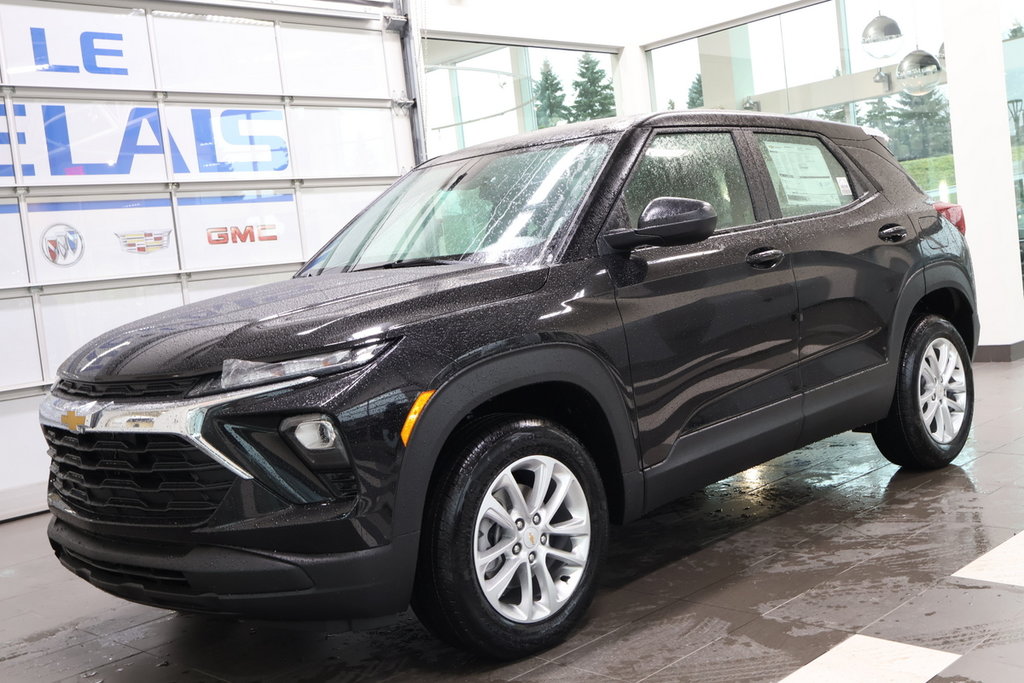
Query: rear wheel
[[513, 539], [931, 412]]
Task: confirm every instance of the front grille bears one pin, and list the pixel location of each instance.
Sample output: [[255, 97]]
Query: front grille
[[156, 479], [161, 388]]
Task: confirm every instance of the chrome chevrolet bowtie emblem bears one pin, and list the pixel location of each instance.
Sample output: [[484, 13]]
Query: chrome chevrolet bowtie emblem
[[73, 421]]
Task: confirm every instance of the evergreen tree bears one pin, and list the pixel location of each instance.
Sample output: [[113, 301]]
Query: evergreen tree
[[594, 96], [549, 100], [671, 104], [921, 126], [879, 115], [695, 96]]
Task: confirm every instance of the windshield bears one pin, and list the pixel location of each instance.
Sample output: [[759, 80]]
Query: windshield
[[497, 208]]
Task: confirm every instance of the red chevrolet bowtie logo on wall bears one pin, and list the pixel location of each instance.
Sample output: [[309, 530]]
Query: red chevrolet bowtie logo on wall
[[234, 234]]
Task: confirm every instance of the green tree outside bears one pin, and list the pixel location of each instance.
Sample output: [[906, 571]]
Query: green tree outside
[[695, 95], [595, 98], [549, 98]]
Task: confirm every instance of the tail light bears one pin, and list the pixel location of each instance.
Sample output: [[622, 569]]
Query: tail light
[[954, 213]]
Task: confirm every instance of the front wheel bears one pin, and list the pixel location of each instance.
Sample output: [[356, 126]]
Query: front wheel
[[931, 412], [513, 538]]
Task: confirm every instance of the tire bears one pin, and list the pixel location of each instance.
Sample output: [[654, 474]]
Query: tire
[[929, 421], [486, 524]]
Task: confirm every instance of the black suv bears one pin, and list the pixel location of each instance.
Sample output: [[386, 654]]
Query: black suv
[[514, 346]]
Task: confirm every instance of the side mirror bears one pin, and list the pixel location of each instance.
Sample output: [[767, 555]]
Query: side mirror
[[667, 221]]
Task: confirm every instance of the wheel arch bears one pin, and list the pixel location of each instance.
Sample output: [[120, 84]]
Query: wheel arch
[[548, 381], [950, 294]]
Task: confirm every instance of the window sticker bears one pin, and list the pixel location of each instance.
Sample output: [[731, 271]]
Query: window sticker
[[803, 174], [844, 185]]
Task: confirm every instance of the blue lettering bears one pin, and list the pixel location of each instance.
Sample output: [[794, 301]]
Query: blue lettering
[[230, 122], [58, 144], [90, 52], [130, 141], [206, 148], [7, 170], [42, 54]]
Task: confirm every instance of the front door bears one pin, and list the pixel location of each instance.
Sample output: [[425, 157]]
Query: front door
[[711, 327]]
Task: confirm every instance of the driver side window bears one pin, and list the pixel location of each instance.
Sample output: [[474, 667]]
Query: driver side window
[[701, 166]]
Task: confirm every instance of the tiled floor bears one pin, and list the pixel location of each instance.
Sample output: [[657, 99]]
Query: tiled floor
[[827, 564]]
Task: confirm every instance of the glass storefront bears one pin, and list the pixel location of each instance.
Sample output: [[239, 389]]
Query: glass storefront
[[869, 63], [1013, 57], [478, 91]]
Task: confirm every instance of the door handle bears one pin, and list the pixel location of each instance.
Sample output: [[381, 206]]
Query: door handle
[[892, 233], [765, 258]]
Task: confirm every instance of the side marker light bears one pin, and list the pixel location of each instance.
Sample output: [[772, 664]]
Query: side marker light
[[414, 412]]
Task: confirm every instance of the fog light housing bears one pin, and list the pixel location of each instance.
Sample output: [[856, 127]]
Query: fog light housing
[[316, 435], [316, 440]]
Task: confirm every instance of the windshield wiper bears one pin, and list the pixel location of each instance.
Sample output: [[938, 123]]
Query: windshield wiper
[[410, 263]]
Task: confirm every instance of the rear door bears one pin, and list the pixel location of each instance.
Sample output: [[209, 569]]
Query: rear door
[[852, 252], [710, 327]]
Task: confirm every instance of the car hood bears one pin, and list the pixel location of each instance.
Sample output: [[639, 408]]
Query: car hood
[[296, 317]]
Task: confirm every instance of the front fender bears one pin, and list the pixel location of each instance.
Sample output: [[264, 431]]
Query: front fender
[[485, 379]]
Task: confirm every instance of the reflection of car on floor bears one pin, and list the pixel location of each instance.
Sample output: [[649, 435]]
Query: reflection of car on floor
[[516, 345]]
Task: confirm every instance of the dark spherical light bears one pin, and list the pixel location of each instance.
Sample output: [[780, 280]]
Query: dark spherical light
[[881, 37], [918, 73]]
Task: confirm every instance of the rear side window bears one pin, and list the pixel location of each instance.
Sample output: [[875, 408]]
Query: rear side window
[[701, 166], [806, 176]]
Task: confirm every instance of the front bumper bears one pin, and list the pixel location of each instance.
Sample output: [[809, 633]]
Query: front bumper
[[142, 512], [357, 587]]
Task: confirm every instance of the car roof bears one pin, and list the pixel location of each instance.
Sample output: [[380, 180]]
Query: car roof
[[667, 119]]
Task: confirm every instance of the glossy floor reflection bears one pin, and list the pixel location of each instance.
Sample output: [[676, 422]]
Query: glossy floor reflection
[[828, 552]]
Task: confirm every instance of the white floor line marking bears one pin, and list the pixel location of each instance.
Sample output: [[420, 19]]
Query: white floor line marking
[[864, 658], [1002, 564]]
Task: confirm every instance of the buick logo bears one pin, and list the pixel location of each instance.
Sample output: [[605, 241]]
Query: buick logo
[[63, 245]]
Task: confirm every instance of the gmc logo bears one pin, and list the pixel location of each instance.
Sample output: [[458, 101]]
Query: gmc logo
[[234, 234]]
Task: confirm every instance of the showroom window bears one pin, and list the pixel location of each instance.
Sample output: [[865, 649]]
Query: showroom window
[[701, 166], [1013, 57], [475, 92], [805, 175], [879, 65]]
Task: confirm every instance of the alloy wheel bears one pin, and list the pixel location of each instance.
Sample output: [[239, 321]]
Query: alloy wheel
[[942, 390], [532, 539]]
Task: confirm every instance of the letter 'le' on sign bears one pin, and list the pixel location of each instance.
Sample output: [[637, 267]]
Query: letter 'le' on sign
[[94, 46]]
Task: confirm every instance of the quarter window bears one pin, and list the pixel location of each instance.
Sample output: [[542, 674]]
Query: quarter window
[[807, 178], [701, 166]]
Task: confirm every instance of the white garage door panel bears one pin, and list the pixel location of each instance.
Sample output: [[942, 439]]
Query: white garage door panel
[[222, 230], [23, 459], [71, 320], [211, 53], [332, 62], [13, 271], [64, 45], [85, 239], [20, 347], [332, 142]]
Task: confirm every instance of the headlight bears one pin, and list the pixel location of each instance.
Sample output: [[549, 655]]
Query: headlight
[[237, 373]]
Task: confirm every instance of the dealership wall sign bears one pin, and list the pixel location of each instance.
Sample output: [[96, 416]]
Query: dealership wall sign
[[144, 242], [63, 245], [146, 145]]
